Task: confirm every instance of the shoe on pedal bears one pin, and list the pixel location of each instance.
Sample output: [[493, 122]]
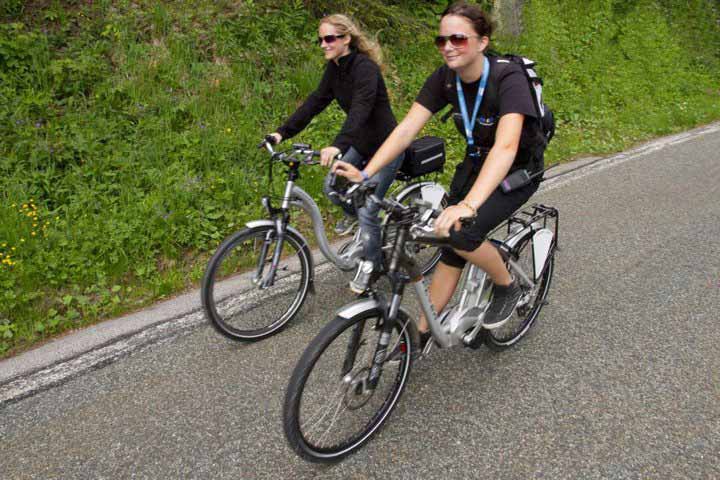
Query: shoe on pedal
[[345, 225], [502, 306]]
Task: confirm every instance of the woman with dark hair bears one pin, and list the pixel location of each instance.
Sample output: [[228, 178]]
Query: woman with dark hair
[[352, 77], [492, 103]]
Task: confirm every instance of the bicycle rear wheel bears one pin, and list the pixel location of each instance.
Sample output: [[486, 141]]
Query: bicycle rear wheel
[[234, 298], [426, 256], [330, 409], [531, 300]]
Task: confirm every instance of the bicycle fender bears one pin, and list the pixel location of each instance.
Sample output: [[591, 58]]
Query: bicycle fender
[[429, 191], [542, 242], [303, 240], [360, 306]]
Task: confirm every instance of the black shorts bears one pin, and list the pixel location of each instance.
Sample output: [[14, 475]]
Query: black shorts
[[496, 209]]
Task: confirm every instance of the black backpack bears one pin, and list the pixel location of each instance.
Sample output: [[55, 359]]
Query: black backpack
[[535, 83]]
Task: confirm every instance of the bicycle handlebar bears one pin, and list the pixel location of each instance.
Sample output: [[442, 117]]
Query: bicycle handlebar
[[419, 214], [300, 152]]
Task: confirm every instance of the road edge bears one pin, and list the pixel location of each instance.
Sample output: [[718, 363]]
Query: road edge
[[98, 345]]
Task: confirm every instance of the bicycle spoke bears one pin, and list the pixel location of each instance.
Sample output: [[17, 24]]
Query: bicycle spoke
[[234, 295], [331, 416]]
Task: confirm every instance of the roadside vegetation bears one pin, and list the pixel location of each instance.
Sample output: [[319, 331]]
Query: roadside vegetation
[[128, 128]]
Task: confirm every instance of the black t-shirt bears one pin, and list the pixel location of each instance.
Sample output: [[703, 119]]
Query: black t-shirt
[[507, 91]]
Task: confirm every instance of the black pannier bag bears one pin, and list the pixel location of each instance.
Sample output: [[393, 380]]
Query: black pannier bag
[[425, 155]]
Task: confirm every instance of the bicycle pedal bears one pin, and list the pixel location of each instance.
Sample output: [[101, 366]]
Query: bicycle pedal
[[475, 343]]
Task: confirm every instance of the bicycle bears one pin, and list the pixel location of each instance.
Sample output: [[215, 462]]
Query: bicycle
[[269, 262], [351, 376]]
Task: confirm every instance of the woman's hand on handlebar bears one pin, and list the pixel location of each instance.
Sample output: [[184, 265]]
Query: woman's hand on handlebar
[[277, 137], [348, 171], [450, 218], [327, 155]]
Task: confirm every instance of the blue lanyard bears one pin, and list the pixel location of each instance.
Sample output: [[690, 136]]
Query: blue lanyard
[[470, 122]]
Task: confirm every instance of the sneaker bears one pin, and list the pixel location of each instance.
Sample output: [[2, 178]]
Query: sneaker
[[345, 225], [362, 277], [503, 305]]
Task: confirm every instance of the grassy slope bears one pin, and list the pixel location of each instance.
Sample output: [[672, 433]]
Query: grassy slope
[[127, 129]]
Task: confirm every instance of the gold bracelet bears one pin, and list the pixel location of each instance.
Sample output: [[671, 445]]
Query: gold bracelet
[[466, 204]]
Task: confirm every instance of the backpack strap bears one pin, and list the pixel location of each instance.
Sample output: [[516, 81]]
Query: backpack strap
[[535, 84]]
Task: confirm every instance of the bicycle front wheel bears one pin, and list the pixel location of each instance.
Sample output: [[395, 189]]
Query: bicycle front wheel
[[531, 300], [242, 297], [330, 407]]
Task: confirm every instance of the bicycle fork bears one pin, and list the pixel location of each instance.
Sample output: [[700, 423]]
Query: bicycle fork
[[385, 324], [281, 219], [389, 319]]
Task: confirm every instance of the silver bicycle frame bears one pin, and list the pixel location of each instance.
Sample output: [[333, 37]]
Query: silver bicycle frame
[[297, 197], [450, 327]]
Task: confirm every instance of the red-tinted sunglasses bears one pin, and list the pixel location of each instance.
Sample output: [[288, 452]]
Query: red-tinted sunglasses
[[329, 38], [457, 40]]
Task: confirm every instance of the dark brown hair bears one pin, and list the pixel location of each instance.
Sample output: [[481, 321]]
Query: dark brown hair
[[481, 23]]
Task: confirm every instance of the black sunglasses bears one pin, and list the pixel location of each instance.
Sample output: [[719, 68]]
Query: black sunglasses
[[457, 40], [329, 38]]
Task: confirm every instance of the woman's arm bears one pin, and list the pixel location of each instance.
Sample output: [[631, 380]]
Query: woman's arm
[[494, 170], [394, 145], [314, 104]]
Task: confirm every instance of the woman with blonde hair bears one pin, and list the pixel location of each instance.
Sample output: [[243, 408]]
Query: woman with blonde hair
[[352, 77]]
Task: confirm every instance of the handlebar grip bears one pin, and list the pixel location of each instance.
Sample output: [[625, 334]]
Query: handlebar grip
[[465, 221]]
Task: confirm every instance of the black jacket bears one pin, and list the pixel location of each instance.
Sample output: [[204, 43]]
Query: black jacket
[[358, 86]]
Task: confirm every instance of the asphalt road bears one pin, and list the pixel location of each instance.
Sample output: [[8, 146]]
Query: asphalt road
[[618, 379]]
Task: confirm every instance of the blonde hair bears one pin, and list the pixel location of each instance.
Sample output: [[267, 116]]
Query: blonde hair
[[358, 39]]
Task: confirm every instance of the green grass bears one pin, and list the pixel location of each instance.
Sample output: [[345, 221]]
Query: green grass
[[128, 129]]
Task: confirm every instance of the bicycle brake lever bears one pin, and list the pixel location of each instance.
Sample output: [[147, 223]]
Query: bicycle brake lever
[[423, 231]]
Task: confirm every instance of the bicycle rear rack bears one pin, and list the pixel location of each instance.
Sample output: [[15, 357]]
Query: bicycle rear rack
[[539, 213]]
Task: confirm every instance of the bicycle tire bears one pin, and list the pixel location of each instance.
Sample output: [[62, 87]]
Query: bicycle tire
[[348, 388], [229, 295], [524, 316]]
